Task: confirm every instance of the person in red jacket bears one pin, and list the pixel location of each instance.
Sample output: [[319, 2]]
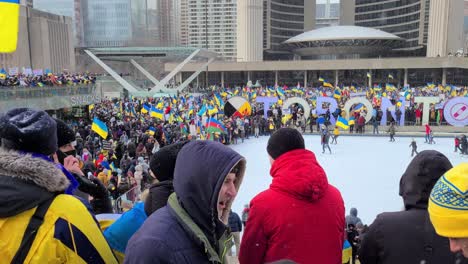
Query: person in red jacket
[[300, 217]]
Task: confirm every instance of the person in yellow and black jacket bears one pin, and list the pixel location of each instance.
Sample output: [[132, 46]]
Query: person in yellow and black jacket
[[39, 221]]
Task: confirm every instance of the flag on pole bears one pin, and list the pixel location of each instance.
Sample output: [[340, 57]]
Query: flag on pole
[[9, 20], [343, 123], [99, 127]]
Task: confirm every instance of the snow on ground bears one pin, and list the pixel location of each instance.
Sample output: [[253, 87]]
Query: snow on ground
[[367, 170]]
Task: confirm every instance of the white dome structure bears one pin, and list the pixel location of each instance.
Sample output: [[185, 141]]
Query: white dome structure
[[338, 40]]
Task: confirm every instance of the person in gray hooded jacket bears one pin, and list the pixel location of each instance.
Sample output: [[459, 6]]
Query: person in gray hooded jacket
[[352, 218]]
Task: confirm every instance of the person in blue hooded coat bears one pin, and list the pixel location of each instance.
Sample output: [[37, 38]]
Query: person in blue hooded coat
[[193, 226]]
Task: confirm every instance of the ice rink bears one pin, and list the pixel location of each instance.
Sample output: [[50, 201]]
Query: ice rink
[[367, 170]]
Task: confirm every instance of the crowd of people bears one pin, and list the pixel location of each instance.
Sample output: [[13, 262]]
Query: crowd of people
[[149, 159], [52, 187], [46, 79]]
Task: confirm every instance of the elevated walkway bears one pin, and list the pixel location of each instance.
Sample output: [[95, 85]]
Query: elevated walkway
[[48, 97]]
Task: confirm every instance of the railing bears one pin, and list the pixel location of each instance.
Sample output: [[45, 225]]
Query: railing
[[130, 197], [16, 93]]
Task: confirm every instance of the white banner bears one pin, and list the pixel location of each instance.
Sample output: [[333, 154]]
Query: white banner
[[13, 71]]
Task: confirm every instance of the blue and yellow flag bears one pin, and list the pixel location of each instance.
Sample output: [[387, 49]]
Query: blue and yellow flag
[[3, 74], [280, 91], [343, 123], [100, 128], [151, 131], [327, 84], [337, 94], [9, 20], [145, 109], [158, 113], [352, 121]]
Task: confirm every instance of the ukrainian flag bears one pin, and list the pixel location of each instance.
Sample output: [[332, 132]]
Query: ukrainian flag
[[158, 113], [351, 121], [9, 20], [358, 107], [212, 110], [112, 167], [99, 127], [3, 74], [145, 109], [407, 95], [347, 252], [343, 123], [280, 91], [337, 94], [327, 84], [151, 131], [218, 99]]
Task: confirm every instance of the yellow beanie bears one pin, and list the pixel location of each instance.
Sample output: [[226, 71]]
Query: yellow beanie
[[448, 203]]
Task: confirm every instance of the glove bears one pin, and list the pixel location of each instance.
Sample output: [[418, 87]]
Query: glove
[[93, 187], [102, 205]]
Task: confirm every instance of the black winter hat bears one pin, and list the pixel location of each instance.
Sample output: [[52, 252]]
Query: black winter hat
[[284, 140], [163, 162], [65, 134], [28, 130]]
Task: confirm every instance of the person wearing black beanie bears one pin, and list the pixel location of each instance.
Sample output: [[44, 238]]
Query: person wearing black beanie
[[36, 207], [101, 202], [284, 140], [162, 167]]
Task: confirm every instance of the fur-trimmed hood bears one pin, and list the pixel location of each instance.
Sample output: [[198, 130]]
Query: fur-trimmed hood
[[26, 181]]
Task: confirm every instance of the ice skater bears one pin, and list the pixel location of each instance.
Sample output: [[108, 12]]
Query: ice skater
[[457, 145], [391, 130], [336, 134], [431, 137], [414, 147], [325, 139]]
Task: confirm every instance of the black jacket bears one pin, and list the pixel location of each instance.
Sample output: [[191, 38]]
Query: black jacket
[[408, 236], [158, 195], [235, 222]]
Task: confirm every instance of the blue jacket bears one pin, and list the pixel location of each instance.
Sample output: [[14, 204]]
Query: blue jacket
[[187, 229]]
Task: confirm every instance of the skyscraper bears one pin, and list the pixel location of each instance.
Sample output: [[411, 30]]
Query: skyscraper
[[250, 30], [412, 21], [284, 19], [183, 24], [169, 14], [212, 24], [107, 23]]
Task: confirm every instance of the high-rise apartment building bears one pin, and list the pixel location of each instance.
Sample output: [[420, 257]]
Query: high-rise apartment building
[[250, 30], [169, 17], [183, 23], [327, 14], [284, 19], [107, 23], [212, 24]]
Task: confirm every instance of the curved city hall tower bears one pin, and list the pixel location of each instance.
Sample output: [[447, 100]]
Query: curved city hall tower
[[250, 30]]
